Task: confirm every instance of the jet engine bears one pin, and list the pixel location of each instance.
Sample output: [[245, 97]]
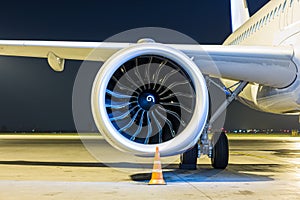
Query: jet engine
[[150, 95]]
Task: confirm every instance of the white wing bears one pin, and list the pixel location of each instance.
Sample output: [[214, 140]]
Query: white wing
[[266, 65]]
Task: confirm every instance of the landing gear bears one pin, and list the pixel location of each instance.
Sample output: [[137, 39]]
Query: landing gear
[[215, 148], [220, 151], [188, 160]]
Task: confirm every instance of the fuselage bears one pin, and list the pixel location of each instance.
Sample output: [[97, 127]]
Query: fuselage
[[277, 23]]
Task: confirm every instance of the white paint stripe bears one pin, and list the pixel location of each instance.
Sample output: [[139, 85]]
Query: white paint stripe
[[157, 170]]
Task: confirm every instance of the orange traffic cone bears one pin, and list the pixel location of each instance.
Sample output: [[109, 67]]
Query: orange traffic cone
[[157, 175]]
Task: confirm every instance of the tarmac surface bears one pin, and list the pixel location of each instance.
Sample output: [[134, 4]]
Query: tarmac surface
[[61, 167]]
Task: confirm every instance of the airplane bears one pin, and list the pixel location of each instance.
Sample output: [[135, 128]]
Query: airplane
[[149, 94]]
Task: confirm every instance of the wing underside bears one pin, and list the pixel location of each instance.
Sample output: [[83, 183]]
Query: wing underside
[[266, 65]]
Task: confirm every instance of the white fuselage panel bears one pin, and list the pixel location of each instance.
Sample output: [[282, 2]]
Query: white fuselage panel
[[277, 23]]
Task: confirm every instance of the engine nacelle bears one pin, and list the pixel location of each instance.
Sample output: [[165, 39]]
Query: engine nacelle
[[150, 95]]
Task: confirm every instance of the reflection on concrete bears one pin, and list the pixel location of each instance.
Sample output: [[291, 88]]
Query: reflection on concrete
[[207, 174], [37, 167]]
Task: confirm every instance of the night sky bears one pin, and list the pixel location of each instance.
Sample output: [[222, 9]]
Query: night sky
[[33, 96]]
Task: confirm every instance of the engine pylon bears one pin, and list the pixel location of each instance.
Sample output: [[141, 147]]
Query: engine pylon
[[157, 174]]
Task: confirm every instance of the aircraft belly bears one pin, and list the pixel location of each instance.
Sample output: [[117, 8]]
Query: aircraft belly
[[269, 99], [249, 93]]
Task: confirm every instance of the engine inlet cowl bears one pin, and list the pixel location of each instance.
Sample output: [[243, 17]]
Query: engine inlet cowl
[[150, 95]]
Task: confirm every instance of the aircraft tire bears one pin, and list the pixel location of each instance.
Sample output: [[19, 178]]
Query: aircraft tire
[[220, 151], [188, 160]]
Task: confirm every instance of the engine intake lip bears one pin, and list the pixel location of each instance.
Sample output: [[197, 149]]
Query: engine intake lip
[[184, 138]]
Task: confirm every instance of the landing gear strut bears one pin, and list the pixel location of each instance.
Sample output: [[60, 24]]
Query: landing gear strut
[[215, 148]]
